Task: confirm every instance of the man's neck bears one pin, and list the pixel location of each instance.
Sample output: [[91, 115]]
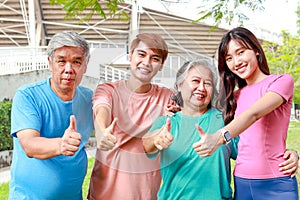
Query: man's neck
[[137, 86]]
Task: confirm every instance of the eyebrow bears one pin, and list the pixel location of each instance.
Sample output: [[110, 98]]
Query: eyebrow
[[195, 76], [155, 54], [76, 58]]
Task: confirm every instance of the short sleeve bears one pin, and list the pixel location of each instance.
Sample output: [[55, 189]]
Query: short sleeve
[[103, 94], [25, 113], [283, 85]]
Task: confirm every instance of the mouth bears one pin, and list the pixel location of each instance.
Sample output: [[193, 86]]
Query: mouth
[[144, 70], [68, 80], [199, 95], [240, 69]]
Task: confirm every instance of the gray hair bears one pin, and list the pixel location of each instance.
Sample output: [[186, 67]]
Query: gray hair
[[68, 38], [184, 69]]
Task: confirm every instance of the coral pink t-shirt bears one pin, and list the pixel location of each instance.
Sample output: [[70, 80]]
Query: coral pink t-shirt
[[262, 145], [125, 172]]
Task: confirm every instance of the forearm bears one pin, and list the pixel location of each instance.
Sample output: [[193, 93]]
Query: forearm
[[102, 119], [148, 143], [39, 147], [269, 102], [240, 123]]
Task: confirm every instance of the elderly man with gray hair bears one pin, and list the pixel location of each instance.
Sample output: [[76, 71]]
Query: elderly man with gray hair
[[51, 121]]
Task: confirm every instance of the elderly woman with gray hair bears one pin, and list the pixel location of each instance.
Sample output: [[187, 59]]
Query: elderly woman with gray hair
[[185, 175]]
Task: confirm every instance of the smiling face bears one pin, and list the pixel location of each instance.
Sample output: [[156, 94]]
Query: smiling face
[[67, 66], [196, 90], [242, 61], [145, 63]]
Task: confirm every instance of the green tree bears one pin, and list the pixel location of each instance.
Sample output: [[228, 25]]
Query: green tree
[[285, 58], [6, 141], [219, 10], [75, 8], [229, 11]]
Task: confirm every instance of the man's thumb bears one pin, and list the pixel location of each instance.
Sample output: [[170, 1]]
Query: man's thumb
[[72, 123], [113, 124]]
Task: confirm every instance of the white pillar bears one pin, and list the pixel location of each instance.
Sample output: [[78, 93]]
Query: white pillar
[[32, 33], [31, 23]]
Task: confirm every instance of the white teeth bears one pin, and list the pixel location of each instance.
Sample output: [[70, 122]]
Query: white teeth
[[199, 95], [144, 70]]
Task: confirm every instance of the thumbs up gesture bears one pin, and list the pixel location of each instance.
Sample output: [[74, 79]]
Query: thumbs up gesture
[[106, 140], [71, 139], [208, 142], [164, 138]]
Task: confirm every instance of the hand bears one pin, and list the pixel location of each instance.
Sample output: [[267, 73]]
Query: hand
[[107, 140], [208, 142], [71, 139], [171, 109], [164, 138], [290, 165]]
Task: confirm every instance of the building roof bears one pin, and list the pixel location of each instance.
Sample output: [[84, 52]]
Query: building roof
[[183, 36]]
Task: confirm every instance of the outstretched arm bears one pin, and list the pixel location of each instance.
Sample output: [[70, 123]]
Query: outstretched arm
[[266, 104]]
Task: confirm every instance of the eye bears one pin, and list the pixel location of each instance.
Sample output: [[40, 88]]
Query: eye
[[241, 52], [156, 59], [228, 59], [141, 54], [77, 62], [61, 62], [195, 80], [208, 83]]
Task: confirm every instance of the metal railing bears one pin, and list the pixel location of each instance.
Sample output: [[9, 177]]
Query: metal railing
[[20, 60], [111, 74]]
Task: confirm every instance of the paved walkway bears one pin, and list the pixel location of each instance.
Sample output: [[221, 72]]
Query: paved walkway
[[5, 172]]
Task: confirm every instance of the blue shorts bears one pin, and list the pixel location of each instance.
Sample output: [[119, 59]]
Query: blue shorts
[[282, 188]]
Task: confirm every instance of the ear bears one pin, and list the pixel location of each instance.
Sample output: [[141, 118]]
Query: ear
[[85, 68], [129, 57], [179, 87], [161, 68], [50, 64]]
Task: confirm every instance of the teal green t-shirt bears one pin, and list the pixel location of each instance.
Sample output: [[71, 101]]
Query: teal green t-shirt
[[185, 175]]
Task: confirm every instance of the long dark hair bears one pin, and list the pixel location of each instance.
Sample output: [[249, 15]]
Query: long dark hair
[[230, 81]]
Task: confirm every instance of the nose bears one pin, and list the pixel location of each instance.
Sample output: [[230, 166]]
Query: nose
[[201, 86], [147, 60], [237, 61], [68, 68]]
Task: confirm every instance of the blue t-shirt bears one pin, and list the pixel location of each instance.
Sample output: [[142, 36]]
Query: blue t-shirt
[[36, 106], [185, 175]]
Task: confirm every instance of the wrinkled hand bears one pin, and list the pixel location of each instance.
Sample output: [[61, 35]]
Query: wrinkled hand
[[208, 142], [164, 138], [171, 109], [291, 163], [106, 140], [71, 139]]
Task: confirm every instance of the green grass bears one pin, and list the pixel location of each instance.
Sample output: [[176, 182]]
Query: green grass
[[293, 142], [4, 190], [86, 183]]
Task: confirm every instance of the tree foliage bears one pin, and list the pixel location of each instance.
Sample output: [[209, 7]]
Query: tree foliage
[[285, 58], [75, 8], [228, 11], [6, 141], [218, 10]]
